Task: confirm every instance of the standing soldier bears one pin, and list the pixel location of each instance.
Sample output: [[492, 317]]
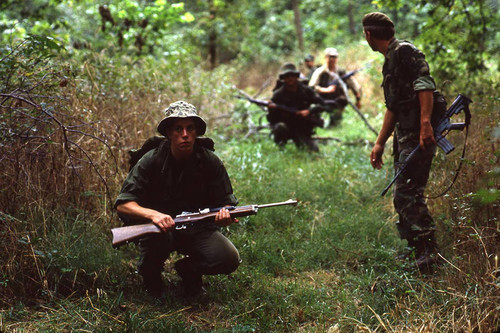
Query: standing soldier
[[410, 94], [333, 94], [292, 114], [310, 68]]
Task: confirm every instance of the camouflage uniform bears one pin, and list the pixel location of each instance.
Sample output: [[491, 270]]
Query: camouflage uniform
[[405, 73]]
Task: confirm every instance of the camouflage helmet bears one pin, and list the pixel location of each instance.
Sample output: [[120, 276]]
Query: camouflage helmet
[[181, 110]]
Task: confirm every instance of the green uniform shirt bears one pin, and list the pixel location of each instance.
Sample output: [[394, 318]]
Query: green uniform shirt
[[405, 73], [159, 183]]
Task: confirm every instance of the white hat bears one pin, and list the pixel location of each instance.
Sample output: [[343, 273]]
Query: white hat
[[331, 52]]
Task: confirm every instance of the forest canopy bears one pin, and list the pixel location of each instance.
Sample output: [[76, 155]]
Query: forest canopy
[[84, 82], [457, 36]]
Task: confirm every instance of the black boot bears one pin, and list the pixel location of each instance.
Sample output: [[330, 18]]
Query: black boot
[[153, 284], [192, 281], [426, 254]]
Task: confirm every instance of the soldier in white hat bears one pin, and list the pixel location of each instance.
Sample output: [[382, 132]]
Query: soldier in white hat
[[333, 94]]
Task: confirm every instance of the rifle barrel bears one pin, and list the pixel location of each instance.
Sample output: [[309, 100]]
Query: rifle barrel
[[401, 169], [288, 202]]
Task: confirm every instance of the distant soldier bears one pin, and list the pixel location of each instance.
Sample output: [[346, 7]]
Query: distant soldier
[[333, 94], [294, 111], [310, 66], [409, 96]]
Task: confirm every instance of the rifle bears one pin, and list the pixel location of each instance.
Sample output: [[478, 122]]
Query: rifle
[[340, 82], [124, 235], [443, 127], [336, 81], [261, 102]]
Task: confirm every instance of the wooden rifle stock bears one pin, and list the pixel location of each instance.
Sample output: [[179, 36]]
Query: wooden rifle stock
[[124, 235]]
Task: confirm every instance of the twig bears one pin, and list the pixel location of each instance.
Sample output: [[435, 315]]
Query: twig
[[379, 319], [328, 138], [172, 313], [99, 310], [249, 311]]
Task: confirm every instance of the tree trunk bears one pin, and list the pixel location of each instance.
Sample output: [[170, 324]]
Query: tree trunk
[[298, 24], [350, 14], [212, 37]]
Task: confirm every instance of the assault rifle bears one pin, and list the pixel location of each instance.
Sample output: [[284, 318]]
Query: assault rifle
[[261, 102], [443, 127], [124, 235]]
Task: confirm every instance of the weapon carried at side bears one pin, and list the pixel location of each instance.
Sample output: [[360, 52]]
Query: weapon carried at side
[[124, 235], [441, 129]]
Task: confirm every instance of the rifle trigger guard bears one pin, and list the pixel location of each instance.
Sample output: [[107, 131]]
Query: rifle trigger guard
[[181, 227]]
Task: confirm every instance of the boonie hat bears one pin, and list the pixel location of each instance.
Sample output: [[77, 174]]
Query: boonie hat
[[288, 69], [331, 52], [179, 110]]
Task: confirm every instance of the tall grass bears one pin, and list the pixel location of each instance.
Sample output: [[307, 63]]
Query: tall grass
[[325, 266]]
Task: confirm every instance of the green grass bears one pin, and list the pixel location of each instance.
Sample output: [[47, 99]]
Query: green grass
[[312, 265], [326, 265]]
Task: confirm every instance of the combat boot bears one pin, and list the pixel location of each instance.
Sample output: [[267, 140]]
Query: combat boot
[[192, 281], [426, 253], [153, 284], [409, 251]]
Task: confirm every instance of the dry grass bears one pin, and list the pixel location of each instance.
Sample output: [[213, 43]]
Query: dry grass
[[54, 176]]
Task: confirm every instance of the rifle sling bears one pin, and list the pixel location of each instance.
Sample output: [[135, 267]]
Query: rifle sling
[[456, 171]]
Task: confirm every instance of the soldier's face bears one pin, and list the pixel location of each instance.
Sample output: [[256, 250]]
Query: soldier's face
[[331, 60], [369, 40], [290, 80], [182, 135]]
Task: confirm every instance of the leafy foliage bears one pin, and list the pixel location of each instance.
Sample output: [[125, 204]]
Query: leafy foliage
[[73, 99]]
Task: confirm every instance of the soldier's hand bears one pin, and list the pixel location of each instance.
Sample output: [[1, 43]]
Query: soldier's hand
[[304, 113], [427, 139], [223, 218], [163, 221], [376, 156], [358, 104], [271, 105]]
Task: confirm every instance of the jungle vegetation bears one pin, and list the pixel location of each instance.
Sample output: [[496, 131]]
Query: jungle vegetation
[[83, 82]]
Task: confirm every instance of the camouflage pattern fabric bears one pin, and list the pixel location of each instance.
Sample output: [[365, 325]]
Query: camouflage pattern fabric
[[405, 73], [181, 109], [415, 221]]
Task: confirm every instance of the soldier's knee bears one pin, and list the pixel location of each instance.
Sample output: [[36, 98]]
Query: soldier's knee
[[232, 262]]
